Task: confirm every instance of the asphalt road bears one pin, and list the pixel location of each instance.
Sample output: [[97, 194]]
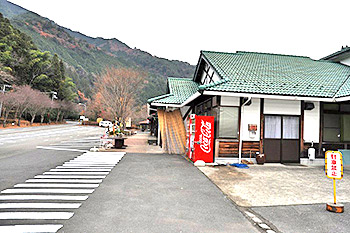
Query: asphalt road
[[105, 192], [20, 160], [157, 193]]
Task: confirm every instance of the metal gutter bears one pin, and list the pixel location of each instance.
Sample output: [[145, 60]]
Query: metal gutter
[[265, 96]]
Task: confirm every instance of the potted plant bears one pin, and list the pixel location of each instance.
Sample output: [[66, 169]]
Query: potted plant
[[260, 159]]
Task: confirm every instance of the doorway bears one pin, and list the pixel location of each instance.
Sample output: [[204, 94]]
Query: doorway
[[281, 139]]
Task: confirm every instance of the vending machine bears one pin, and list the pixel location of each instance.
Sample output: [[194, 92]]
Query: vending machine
[[200, 138]]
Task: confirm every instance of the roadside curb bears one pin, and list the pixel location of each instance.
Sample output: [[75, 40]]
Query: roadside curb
[[259, 221]]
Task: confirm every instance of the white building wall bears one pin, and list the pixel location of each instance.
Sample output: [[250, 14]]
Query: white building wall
[[229, 101], [346, 61], [251, 115], [183, 111], [312, 124], [282, 107], [211, 71]]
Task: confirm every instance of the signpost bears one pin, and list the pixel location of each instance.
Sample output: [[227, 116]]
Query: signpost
[[334, 170]]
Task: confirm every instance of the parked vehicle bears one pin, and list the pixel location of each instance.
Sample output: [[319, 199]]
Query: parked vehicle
[[105, 124]]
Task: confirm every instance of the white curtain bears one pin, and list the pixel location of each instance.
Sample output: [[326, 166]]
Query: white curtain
[[272, 127], [290, 127]]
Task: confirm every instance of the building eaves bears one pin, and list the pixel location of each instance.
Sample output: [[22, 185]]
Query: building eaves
[[343, 50]]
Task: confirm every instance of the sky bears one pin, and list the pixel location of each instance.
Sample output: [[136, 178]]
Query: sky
[[180, 29]]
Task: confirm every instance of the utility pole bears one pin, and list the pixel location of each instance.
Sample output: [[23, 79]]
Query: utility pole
[[3, 92], [84, 107], [54, 95]]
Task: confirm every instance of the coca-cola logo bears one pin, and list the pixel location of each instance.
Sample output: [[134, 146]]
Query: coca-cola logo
[[205, 136]]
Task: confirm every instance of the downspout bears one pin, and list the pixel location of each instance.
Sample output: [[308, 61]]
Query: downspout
[[241, 131]]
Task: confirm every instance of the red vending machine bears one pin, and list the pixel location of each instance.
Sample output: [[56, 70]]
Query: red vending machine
[[200, 138]]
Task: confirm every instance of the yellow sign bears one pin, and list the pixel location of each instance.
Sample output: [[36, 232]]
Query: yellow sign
[[334, 168], [334, 165]]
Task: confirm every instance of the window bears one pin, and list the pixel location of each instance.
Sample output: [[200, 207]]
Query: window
[[290, 127], [336, 122], [331, 127], [228, 123], [273, 127], [204, 108]]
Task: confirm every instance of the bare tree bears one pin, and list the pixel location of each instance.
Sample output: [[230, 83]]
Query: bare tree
[[5, 77], [22, 97], [117, 89], [8, 105], [38, 104]]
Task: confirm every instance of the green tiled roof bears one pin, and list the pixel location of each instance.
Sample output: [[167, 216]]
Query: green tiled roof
[[262, 73], [180, 90]]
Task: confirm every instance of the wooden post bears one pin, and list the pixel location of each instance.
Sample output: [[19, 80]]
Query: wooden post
[[302, 127], [335, 193], [261, 126]]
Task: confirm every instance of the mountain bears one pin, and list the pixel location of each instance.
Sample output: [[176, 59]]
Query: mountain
[[85, 57]]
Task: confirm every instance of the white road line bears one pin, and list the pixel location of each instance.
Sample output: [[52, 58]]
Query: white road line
[[89, 181], [64, 149], [76, 173], [39, 185], [97, 158], [82, 167], [94, 161], [31, 228], [87, 165], [40, 205], [43, 197], [36, 215], [48, 191], [69, 177], [80, 170]]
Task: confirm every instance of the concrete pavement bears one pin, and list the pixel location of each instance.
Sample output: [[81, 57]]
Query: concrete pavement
[[288, 198], [278, 184], [306, 218]]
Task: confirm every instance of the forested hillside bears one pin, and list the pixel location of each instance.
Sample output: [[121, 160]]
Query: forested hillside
[[22, 63], [85, 57]]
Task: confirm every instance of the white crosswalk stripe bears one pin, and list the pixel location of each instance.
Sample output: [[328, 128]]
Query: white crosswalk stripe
[[40, 205], [83, 167], [40, 185], [31, 228], [87, 165], [81, 170], [36, 215], [89, 181], [75, 173], [69, 177], [50, 190], [43, 197]]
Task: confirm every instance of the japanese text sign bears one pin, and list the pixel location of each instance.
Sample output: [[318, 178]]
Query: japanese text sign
[[334, 165]]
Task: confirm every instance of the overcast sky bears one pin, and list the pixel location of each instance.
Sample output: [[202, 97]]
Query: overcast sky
[[179, 29]]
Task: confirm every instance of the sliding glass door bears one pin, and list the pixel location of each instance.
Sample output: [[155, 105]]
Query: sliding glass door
[[281, 138]]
